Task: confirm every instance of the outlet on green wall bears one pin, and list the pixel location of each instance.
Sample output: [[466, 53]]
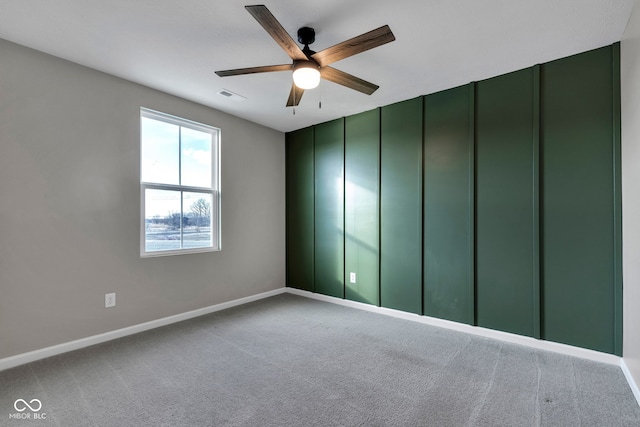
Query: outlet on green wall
[[329, 208], [362, 206]]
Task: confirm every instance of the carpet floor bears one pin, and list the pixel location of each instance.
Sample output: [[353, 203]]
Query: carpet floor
[[293, 361]]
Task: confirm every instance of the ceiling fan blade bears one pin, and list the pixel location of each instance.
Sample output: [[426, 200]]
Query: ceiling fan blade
[[275, 30], [348, 80], [294, 96], [253, 70], [359, 44]]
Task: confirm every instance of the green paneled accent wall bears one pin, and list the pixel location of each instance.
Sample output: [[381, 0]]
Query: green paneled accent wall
[[401, 206], [299, 209], [495, 204], [505, 203], [362, 207], [329, 208], [578, 200], [448, 205]]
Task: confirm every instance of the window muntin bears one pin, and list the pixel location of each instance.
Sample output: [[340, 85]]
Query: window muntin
[[179, 179]]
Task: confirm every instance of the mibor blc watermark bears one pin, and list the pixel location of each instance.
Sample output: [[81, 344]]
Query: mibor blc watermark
[[27, 410]]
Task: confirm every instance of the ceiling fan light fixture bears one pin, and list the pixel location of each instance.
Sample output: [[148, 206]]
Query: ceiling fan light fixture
[[306, 74]]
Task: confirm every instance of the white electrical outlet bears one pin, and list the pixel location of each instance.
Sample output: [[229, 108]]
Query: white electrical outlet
[[110, 300], [352, 277]]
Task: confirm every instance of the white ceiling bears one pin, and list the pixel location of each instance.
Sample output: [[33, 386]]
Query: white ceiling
[[175, 46]]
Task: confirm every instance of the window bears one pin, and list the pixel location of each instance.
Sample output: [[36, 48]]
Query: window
[[179, 185]]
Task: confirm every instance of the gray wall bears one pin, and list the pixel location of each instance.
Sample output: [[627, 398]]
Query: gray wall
[[70, 204], [630, 99]]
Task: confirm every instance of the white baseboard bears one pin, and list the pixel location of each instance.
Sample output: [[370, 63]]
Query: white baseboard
[[474, 330], [21, 359], [630, 380]]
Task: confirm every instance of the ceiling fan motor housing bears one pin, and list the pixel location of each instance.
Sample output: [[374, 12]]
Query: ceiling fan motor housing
[[306, 35]]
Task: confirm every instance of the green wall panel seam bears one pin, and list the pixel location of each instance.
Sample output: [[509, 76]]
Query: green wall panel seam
[[617, 204], [344, 209], [313, 173], [536, 202], [286, 210], [421, 204], [541, 207], [474, 290], [379, 109], [472, 203]]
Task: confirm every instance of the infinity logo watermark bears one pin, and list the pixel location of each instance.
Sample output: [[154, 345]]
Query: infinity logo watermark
[[34, 405], [21, 403]]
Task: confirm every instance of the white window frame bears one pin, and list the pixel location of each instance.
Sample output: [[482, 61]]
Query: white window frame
[[214, 190]]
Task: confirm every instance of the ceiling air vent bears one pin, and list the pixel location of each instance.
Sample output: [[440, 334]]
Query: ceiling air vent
[[231, 95]]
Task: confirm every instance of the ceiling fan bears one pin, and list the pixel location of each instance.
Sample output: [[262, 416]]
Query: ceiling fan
[[309, 66]]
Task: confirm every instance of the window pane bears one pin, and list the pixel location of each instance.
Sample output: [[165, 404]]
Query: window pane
[[197, 225], [179, 177], [160, 151], [196, 158], [162, 220]]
